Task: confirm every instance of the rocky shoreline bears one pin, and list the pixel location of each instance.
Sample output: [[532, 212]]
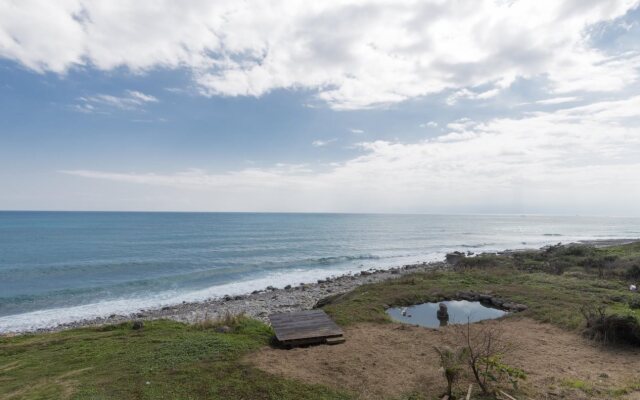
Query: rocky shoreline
[[260, 303]]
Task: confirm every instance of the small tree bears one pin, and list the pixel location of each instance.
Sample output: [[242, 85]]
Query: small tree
[[451, 362], [484, 349]]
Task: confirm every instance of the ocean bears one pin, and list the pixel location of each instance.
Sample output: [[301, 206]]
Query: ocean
[[57, 267]]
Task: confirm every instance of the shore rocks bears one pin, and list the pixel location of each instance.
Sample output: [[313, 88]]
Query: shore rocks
[[223, 329], [455, 257], [137, 325], [492, 301]]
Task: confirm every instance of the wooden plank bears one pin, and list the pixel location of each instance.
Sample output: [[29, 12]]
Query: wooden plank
[[304, 326]]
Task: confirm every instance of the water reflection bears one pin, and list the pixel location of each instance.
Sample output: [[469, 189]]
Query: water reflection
[[434, 315]]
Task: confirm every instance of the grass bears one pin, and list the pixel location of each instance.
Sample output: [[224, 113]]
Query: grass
[[523, 278], [164, 360], [170, 360]]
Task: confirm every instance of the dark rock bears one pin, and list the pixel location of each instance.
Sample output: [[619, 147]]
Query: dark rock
[[442, 313], [227, 297], [454, 258], [271, 288], [287, 287], [137, 325], [519, 307], [365, 273], [395, 271], [497, 301], [255, 292], [321, 280], [166, 308], [223, 329], [238, 297]]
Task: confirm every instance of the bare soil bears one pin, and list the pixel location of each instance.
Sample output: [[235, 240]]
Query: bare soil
[[390, 360]]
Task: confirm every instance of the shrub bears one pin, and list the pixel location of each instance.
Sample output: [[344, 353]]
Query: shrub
[[228, 321], [610, 328], [633, 272], [484, 349], [451, 362]]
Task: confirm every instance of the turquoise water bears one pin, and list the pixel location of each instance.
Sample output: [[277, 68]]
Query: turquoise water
[[61, 266], [460, 312]]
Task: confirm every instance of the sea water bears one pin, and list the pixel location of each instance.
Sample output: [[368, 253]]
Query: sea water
[[57, 267]]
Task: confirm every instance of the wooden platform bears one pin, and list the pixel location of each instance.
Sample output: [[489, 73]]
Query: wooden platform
[[305, 327]]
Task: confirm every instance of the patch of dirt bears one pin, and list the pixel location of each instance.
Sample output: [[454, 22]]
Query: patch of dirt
[[388, 360]]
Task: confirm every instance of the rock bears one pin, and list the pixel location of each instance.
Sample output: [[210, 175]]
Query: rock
[[520, 307], [271, 288], [227, 297], [442, 313], [321, 281], [238, 297], [166, 308], [454, 258], [223, 329], [497, 301], [395, 272], [137, 325], [255, 292], [365, 273], [484, 297], [112, 316], [287, 287]]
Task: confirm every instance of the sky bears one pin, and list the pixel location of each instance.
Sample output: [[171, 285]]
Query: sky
[[394, 106]]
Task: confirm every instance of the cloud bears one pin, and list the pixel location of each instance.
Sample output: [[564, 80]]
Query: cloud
[[576, 159], [322, 143], [558, 100], [430, 124], [471, 95], [100, 103], [358, 131], [354, 55]]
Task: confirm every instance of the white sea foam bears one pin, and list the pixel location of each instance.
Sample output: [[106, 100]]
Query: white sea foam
[[49, 318]]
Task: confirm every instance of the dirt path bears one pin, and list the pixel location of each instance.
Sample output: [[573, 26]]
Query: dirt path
[[382, 361]]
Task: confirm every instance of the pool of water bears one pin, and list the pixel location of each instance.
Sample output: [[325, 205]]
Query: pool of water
[[460, 311]]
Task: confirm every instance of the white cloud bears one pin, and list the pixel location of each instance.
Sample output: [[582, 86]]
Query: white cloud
[[558, 100], [100, 103], [579, 159], [322, 143], [358, 131], [359, 54], [471, 95], [430, 124]]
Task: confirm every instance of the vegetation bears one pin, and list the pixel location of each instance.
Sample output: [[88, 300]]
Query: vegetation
[[164, 359], [484, 348], [555, 285], [451, 362]]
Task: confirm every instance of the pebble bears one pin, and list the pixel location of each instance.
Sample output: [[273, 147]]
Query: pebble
[[260, 303]]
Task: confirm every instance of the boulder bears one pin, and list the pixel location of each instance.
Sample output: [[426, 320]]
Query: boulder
[[454, 258], [137, 325]]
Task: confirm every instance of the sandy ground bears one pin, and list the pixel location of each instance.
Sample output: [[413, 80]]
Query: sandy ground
[[386, 361]]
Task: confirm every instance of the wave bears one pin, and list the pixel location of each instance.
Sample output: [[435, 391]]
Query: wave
[[48, 318]]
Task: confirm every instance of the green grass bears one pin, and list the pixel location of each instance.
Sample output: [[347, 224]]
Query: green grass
[[165, 360], [550, 298], [553, 298], [170, 360]]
